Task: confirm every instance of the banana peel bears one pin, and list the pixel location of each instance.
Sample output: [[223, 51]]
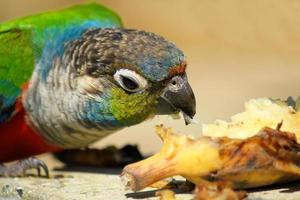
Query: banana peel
[[217, 191], [271, 156], [165, 195], [258, 147]]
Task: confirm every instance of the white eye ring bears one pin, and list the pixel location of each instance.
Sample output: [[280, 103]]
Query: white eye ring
[[130, 80]]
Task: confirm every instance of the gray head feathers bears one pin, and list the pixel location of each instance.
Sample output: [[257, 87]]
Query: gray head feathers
[[103, 51]]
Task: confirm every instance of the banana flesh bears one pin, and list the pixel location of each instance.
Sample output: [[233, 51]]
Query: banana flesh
[[258, 147]]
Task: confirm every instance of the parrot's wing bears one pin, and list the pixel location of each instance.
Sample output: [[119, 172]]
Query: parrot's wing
[[22, 42], [16, 66]]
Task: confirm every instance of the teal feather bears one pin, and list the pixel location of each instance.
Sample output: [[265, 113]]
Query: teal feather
[[25, 42]]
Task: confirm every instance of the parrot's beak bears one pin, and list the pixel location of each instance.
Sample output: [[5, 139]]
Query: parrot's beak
[[178, 96]]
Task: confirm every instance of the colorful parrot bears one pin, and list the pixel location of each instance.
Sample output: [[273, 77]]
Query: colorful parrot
[[69, 78]]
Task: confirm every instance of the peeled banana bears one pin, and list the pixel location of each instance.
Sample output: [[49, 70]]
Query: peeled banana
[[259, 147]]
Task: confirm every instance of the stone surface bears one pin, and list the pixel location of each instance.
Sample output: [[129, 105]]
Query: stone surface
[[285, 192], [79, 183], [90, 186], [69, 186]]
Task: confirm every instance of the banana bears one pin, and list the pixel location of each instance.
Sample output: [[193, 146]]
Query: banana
[[259, 113], [258, 147]]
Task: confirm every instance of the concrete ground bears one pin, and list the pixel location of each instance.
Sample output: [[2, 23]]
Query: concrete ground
[[104, 184], [90, 186]]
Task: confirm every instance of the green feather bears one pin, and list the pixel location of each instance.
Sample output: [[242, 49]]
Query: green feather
[[131, 109], [22, 41], [16, 56]]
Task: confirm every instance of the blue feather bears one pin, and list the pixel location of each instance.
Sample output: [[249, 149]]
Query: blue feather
[[97, 113], [58, 38]]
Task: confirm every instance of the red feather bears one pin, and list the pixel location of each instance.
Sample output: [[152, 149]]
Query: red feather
[[18, 140]]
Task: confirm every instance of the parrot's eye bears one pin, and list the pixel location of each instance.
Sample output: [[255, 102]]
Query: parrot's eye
[[130, 80]]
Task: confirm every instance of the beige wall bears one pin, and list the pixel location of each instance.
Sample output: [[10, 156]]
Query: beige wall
[[236, 50]]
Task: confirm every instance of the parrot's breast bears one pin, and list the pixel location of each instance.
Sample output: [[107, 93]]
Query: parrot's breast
[[18, 140]]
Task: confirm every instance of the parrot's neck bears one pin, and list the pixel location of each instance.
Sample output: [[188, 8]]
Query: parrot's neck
[[19, 140], [63, 115]]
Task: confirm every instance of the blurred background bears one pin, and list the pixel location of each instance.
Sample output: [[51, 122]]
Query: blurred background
[[236, 50]]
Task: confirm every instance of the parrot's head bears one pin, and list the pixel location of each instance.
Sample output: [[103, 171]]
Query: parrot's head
[[105, 80], [139, 74]]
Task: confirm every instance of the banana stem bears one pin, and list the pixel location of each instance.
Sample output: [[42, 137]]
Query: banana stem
[[139, 175]]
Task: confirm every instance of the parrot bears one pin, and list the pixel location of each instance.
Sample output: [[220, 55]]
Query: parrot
[[70, 77]]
